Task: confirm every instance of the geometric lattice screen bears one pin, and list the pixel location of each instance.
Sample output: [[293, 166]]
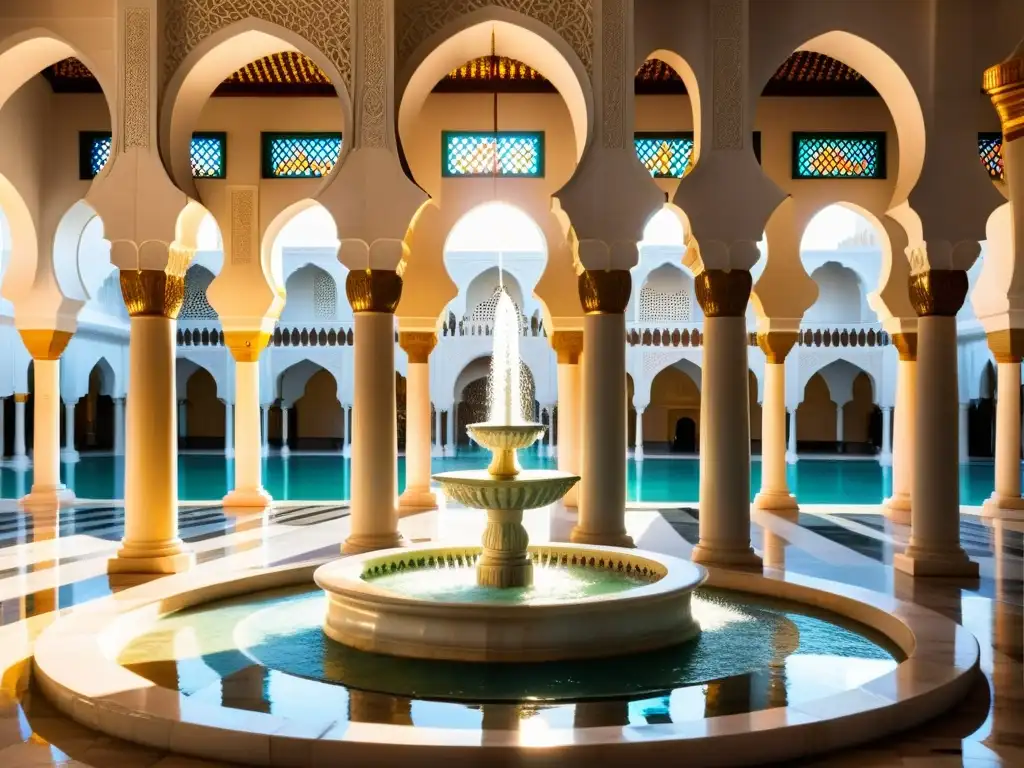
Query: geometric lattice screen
[[665, 156], [299, 155], [486, 154], [990, 150], [838, 155], [209, 154]]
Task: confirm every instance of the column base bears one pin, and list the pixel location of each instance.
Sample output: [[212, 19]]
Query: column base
[[897, 509], [357, 544], [48, 497], [437, 450], [347, 451], [416, 499], [638, 455], [791, 458], [775, 501], [602, 538], [69, 456], [19, 462], [247, 497], [1003, 507], [950, 564], [736, 559], [285, 450], [885, 459], [152, 558]]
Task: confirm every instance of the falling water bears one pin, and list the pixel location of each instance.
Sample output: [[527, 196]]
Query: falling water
[[506, 387]]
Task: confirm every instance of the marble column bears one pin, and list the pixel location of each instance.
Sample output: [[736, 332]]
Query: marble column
[[346, 442], [885, 452], [246, 347], [374, 294], [897, 507], [568, 345], [151, 543], [119, 426], [453, 430], [638, 436], [417, 494], [1007, 346], [437, 445], [602, 494], [46, 347], [791, 454], [934, 546], [68, 454], [964, 433], [229, 430], [725, 423], [3, 435], [774, 494], [19, 457], [839, 426], [182, 422], [265, 430], [285, 449]]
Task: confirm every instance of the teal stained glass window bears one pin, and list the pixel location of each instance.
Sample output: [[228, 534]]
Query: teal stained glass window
[[300, 155], [209, 154], [838, 155], [486, 154], [665, 155], [990, 150]]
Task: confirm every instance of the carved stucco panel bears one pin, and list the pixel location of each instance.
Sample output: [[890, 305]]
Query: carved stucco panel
[[325, 23], [727, 99], [243, 225], [371, 112], [613, 80], [571, 19], [137, 80]]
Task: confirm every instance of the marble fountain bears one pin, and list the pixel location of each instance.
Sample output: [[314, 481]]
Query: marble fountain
[[498, 653]]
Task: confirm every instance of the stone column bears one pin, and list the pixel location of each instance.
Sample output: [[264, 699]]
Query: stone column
[[182, 422], [285, 449], [119, 426], [897, 507], [151, 543], [3, 441], [46, 347], [839, 427], [68, 454], [229, 430], [437, 446], [638, 436], [885, 453], [19, 457], [246, 346], [374, 294], [1007, 346], [346, 442], [774, 494], [725, 423], [934, 547], [791, 454], [965, 450], [265, 429], [453, 429], [602, 495], [568, 345], [417, 494]]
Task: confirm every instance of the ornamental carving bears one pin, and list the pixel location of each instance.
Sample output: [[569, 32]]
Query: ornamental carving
[[242, 225], [136, 79], [613, 44], [373, 37], [727, 98], [570, 19], [324, 23]]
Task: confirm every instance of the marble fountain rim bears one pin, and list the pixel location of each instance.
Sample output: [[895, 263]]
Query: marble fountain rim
[[73, 663]]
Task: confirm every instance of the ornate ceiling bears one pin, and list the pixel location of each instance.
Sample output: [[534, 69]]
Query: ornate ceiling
[[291, 74]]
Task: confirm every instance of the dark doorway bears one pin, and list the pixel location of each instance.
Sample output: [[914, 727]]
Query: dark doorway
[[686, 436]]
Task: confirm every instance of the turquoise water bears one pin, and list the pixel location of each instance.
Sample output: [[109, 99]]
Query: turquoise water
[[326, 477]]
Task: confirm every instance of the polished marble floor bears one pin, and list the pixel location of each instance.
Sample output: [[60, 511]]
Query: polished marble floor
[[49, 565]]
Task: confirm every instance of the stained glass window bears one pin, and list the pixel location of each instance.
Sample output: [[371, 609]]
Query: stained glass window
[[209, 154], [665, 155], [484, 154], [990, 149], [838, 155], [299, 155]]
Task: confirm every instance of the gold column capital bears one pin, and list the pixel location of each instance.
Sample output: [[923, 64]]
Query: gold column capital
[[1004, 83], [604, 291], [722, 293], [152, 292], [246, 346], [21, 397], [906, 345], [373, 290], [1007, 345], [938, 292], [45, 343], [776, 345], [417, 345], [568, 346]]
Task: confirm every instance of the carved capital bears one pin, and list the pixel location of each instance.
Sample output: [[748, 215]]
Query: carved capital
[[938, 292], [1007, 345], [45, 344], [152, 293], [246, 346], [373, 290], [21, 397], [1004, 83], [722, 293], [417, 345], [776, 345], [906, 345], [604, 291], [568, 345]]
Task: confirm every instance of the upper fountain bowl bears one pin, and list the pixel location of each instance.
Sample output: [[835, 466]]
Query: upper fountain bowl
[[505, 437]]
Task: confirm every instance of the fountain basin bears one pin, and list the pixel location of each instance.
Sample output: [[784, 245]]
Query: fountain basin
[[530, 489], [641, 603]]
